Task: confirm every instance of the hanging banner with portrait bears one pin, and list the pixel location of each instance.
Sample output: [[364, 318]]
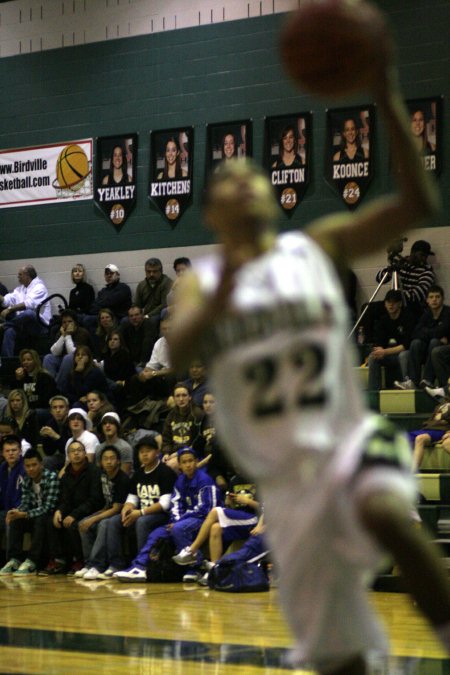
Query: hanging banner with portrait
[[115, 179], [426, 128], [349, 151], [225, 142], [171, 167], [287, 156]]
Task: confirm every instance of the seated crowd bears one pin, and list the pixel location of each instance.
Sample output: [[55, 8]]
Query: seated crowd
[[103, 451]]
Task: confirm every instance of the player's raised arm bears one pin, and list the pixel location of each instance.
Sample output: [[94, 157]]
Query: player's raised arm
[[368, 56]]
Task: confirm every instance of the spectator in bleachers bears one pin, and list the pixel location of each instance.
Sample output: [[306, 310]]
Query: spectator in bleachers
[[115, 296], [110, 435], [431, 432], [139, 334], [80, 428], [415, 275], [40, 490], [25, 417], [194, 496], [181, 426], [84, 376], [212, 457], [196, 382], [70, 335], [80, 496], [181, 265], [82, 295], [19, 311], [151, 292], [156, 380], [392, 336], [117, 366], [147, 504], [99, 551], [432, 331], [97, 405], [9, 427], [224, 525], [55, 433], [12, 473], [440, 358], [106, 322], [38, 385]]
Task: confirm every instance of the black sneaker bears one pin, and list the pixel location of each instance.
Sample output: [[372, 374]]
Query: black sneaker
[[423, 384], [53, 567]]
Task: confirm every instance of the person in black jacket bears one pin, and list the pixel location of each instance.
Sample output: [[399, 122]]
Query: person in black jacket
[[392, 336], [80, 496], [82, 295], [433, 330]]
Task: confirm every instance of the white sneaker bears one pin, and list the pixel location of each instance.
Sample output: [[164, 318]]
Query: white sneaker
[[437, 393], [404, 384], [80, 573], [10, 567], [203, 581], [91, 574], [191, 577], [185, 556], [107, 574], [132, 574]]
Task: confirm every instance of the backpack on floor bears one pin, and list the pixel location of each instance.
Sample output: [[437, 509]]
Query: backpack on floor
[[239, 576], [161, 568]]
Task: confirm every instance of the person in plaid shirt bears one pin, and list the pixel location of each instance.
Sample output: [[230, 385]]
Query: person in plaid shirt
[[40, 491]]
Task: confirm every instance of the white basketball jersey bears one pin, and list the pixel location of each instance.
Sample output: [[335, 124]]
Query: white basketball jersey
[[280, 359]]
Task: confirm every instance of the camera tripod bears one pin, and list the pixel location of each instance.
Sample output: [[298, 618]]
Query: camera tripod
[[396, 285]]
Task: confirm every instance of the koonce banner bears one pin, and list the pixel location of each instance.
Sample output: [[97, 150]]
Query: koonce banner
[[46, 173]]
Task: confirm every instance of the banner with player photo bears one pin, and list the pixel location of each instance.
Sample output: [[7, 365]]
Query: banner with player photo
[[426, 128], [225, 142], [349, 151], [171, 167], [115, 178], [46, 174], [287, 156]]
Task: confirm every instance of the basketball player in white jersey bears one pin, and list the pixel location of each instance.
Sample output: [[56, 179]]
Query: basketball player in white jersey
[[269, 315]]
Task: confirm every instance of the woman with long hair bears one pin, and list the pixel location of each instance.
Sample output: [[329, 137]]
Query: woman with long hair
[[288, 149], [106, 322], [172, 161], [350, 149], [118, 173], [18, 408], [38, 385]]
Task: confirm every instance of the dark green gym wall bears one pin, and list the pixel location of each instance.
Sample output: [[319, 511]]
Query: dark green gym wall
[[210, 74]]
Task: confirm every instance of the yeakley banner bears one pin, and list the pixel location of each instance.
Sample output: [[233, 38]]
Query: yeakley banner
[[46, 174]]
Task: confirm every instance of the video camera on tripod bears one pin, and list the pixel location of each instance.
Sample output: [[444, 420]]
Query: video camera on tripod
[[395, 262], [394, 251]]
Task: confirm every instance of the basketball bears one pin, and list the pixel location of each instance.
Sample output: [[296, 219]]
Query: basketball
[[335, 47], [72, 167]]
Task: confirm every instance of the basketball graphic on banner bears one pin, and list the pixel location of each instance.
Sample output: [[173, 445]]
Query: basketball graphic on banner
[[72, 167]]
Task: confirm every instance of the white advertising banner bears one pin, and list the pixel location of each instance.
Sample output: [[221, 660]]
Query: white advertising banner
[[46, 174]]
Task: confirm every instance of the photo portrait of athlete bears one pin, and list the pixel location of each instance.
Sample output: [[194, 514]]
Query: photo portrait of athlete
[[268, 316]]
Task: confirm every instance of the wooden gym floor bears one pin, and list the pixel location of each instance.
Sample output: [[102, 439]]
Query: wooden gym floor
[[62, 625]]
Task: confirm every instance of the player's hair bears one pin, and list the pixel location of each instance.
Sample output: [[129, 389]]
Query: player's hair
[[181, 261]]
